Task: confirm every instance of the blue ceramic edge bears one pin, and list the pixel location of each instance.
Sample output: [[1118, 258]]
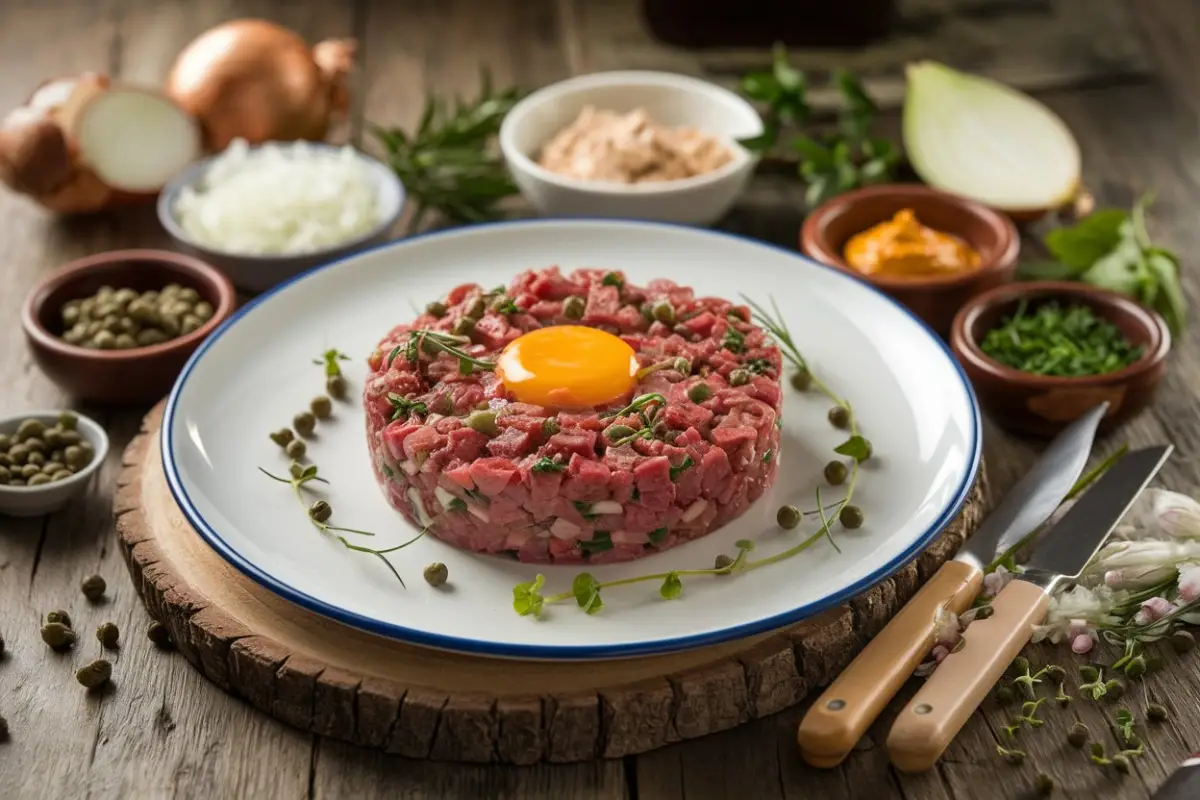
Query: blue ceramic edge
[[543, 652]]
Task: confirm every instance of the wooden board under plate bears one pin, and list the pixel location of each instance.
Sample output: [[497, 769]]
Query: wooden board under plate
[[323, 676]]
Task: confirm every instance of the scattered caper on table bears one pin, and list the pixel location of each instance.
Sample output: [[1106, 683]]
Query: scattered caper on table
[[1, 646], [108, 634], [1078, 735], [58, 636], [38, 453], [124, 319], [95, 674], [1156, 712], [3, 729], [304, 423], [320, 511], [801, 380], [1043, 784], [59, 616], [158, 633], [93, 587], [436, 574], [296, 449], [283, 437]]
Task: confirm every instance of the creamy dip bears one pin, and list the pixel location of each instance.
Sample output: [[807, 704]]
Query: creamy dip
[[631, 148]]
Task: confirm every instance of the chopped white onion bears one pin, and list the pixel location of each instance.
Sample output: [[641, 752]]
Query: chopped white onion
[[280, 199], [409, 467], [419, 507], [978, 138], [444, 497], [562, 529], [606, 507], [694, 510], [478, 512]]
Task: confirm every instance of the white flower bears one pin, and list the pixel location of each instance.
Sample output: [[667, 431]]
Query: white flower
[[994, 582], [946, 629], [1142, 554], [1152, 610], [1189, 582], [1177, 515], [1134, 578], [1076, 612]]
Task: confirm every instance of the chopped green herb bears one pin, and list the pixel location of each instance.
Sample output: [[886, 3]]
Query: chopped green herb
[[386, 470], [1059, 341], [403, 407], [758, 366], [657, 536], [685, 464], [600, 541], [584, 509], [545, 464], [767, 456], [733, 340], [457, 504]]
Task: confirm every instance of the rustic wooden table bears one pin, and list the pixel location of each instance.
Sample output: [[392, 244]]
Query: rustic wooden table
[[165, 732]]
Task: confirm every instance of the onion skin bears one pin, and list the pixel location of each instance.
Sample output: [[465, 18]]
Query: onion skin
[[255, 80], [37, 156]]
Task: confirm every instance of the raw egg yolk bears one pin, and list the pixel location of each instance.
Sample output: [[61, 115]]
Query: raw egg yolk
[[567, 366]]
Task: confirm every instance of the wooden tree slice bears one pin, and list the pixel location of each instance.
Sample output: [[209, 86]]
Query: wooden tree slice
[[325, 677]]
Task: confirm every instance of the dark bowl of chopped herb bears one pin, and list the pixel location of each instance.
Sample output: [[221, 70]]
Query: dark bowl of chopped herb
[[1041, 354], [909, 268]]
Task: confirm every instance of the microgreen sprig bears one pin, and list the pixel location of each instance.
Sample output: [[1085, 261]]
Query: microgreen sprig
[[329, 359], [528, 599], [299, 480]]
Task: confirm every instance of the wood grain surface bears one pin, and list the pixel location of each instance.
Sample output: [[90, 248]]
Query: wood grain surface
[[164, 731]]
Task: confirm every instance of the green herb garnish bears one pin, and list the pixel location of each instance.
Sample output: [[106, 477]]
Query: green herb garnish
[[403, 407], [1111, 248], [1059, 341], [734, 340], [545, 464], [329, 359], [600, 541], [448, 164], [683, 465], [831, 162], [320, 511]]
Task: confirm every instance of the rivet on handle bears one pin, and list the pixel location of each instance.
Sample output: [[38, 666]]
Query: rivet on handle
[[924, 708], [836, 705]]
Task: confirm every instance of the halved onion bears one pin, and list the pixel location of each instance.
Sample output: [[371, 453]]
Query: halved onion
[[976, 137]]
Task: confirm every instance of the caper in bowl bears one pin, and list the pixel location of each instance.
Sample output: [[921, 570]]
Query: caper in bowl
[[118, 327], [46, 459]]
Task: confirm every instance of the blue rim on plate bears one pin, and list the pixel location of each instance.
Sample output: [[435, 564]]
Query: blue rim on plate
[[542, 652]]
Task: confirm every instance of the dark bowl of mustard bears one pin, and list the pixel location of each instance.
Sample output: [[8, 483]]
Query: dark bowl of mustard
[[930, 250]]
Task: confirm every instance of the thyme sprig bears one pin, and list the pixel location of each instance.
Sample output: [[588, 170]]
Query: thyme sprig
[[528, 597], [299, 480], [433, 342]]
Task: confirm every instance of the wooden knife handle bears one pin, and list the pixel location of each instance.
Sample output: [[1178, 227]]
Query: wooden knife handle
[[842, 714], [951, 694]]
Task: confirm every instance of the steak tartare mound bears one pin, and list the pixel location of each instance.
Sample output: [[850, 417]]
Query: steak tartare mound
[[687, 450]]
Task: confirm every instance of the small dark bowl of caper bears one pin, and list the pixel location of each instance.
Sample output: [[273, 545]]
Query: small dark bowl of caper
[[46, 460], [118, 327]]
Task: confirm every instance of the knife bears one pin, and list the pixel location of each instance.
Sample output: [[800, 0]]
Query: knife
[[959, 684], [842, 714], [1183, 783]]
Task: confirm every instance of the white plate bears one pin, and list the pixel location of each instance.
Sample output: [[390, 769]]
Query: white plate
[[256, 371]]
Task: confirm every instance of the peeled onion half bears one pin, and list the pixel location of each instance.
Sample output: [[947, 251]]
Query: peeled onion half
[[976, 137], [82, 144]]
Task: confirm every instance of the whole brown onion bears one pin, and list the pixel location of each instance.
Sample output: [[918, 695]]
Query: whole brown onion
[[255, 80]]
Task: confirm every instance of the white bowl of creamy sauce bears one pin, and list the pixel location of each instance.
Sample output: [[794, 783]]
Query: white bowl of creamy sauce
[[631, 144]]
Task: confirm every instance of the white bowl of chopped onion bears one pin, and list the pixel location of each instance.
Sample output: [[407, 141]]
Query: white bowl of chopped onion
[[265, 213], [631, 144]]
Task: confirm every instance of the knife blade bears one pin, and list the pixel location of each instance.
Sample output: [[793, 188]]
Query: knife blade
[[951, 694], [840, 717]]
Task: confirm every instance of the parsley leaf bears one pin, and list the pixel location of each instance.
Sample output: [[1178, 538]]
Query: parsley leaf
[[545, 464], [586, 589], [527, 597], [856, 447], [600, 541], [403, 407], [734, 340], [657, 536], [685, 464], [672, 587]]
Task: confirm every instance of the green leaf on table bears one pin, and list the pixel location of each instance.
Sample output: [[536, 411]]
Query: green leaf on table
[[1170, 301], [1089, 240]]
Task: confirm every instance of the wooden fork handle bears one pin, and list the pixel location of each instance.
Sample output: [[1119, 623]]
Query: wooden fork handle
[[842, 714], [951, 694]]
